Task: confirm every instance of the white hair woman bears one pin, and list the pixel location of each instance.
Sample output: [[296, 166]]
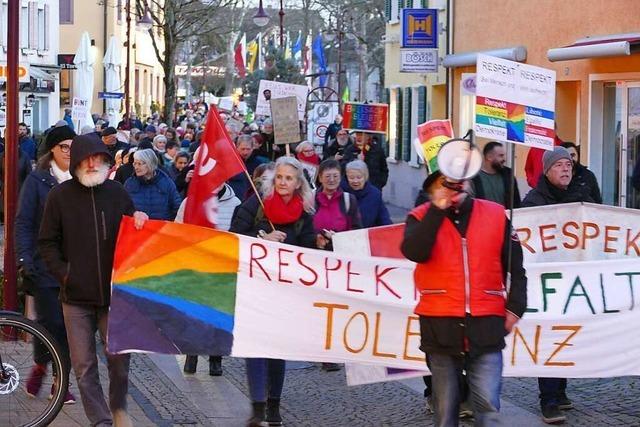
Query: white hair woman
[[160, 143], [373, 211], [288, 205], [151, 189]]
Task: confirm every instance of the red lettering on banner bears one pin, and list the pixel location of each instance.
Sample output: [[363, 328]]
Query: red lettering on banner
[[544, 238], [379, 280], [632, 243], [255, 259], [283, 264], [315, 275], [575, 237], [327, 269], [585, 234], [608, 238], [525, 239], [349, 274]]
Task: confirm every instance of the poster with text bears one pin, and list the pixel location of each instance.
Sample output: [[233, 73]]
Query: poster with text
[[269, 90]]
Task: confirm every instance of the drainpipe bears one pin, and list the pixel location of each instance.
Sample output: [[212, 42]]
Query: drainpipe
[[450, 70]]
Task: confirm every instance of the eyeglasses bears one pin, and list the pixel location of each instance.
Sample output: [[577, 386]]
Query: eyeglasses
[[65, 148]]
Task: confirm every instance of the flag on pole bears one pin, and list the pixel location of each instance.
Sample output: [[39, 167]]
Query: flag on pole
[[240, 55], [287, 46], [260, 56], [306, 54], [216, 161], [318, 51], [346, 95], [296, 49], [252, 58]]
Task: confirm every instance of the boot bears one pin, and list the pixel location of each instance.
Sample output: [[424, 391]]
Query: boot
[[215, 366], [190, 364], [257, 419], [121, 419], [273, 412]]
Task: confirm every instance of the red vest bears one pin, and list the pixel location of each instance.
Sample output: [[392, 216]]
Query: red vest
[[464, 275]]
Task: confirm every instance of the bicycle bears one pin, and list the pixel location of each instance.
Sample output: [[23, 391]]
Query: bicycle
[[17, 335]]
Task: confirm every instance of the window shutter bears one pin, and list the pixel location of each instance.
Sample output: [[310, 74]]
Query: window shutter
[[47, 15], [406, 125], [33, 25], [399, 123], [3, 24], [422, 104], [400, 7]]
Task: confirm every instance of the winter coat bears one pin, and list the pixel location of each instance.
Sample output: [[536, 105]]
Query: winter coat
[[79, 229], [583, 177], [156, 197], [376, 161], [505, 173], [249, 219], [28, 219], [546, 194], [373, 211], [227, 203], [240, 182]]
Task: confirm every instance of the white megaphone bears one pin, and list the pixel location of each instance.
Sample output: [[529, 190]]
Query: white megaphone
[[459, 159]]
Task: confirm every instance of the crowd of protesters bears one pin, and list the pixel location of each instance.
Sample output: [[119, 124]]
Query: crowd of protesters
[[301, 199]]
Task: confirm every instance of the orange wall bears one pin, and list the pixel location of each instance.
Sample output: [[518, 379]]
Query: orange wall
[[540, 25]]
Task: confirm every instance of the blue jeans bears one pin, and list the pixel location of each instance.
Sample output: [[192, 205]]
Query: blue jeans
[[551, 390], [484, 377], [266, 378]]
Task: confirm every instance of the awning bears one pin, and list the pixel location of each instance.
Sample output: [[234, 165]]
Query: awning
[[597, 47], [517, 53], [44, 72]]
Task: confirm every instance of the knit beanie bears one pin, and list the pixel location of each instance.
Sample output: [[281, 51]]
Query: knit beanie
[[57, 135], [550, 157]]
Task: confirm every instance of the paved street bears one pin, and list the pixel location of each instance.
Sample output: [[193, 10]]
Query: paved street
[[162, 395]]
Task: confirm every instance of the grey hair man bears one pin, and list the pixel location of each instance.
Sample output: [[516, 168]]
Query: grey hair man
[[77, 241]]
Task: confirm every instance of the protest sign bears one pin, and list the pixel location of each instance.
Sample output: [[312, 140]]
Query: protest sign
[[431, 136], [286, 126], [365, 117], [79, 109], [321, 115], [269, 90], [515, 102], [212, 292]]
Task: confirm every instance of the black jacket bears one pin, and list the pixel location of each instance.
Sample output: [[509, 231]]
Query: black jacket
[[79, 229], [505, 173], [30, 209], [484, 334], [376, 162], [547, 194], [249, 219], [583, 177]]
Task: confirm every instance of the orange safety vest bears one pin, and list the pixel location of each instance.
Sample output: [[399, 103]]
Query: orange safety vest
[[464, 275]]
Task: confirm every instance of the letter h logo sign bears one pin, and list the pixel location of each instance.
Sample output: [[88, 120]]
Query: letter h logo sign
[[419, 28]]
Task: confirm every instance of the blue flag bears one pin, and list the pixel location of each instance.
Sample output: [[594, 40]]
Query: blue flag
[[296, 49], [318, 51]]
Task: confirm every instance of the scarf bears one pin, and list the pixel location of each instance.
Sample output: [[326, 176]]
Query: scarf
[[279, 212], [60, 175], [314, 159]]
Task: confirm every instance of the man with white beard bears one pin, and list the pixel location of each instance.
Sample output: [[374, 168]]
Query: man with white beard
[[77, 241]]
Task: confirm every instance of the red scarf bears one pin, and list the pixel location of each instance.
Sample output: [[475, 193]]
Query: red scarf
[[314, 159], [279, 212]]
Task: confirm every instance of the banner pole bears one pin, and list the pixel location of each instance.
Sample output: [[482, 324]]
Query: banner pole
[[512, 184]]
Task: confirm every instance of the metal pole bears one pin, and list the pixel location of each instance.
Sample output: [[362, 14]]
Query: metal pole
[[281, 14], [340, 33], [10, 293], [127, 71]]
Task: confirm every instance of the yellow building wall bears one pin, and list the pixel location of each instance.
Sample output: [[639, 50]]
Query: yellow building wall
[[142, 54], [540, 25]]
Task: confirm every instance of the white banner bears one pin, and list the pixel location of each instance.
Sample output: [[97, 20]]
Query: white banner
[[579, 308], [272, 90]]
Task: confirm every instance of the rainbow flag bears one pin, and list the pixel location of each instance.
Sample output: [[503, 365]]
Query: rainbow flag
[[431, 136], [174, 289]]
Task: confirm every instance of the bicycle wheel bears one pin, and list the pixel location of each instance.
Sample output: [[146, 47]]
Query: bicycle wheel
[[18, 408]]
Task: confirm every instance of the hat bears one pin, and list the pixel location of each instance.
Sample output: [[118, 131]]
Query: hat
[[57, 135], [109, 131], [150, 128], [85, 146], [430, 180], [60, 123], [550, 157]]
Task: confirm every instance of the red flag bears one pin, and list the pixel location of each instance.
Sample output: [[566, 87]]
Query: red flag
[[216, 161], [239, 60]]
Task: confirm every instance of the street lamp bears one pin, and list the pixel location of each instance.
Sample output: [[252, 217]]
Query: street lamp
[[261, 18]]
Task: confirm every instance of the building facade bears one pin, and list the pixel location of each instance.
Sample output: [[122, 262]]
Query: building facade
[[413, 98], [38, 42], [102, 19], [593, 47]]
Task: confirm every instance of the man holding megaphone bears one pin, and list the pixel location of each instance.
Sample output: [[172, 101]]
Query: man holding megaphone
[[464, 249]]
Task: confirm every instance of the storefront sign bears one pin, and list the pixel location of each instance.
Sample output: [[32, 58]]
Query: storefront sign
[[65, 61], [515, 102], [419, 28], [110, 95], [23, 73], [418, 60], [365, 117]]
